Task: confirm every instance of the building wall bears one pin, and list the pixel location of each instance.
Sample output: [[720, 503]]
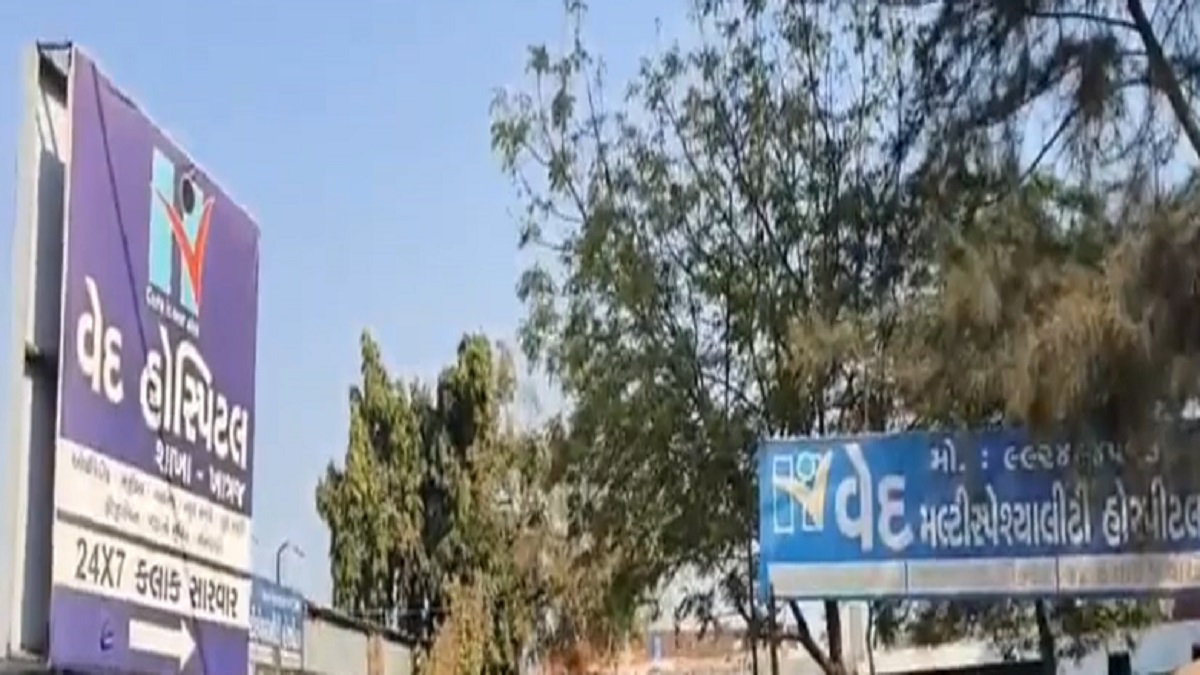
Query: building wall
[[337, 648], [262, 660], [684, 651], [397, 659], [330, 649]]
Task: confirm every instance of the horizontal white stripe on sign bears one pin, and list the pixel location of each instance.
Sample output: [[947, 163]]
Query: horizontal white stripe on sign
[[1129, 571], [982, 575], [91, 562], [260, 653], [837, 579], [102, 489]]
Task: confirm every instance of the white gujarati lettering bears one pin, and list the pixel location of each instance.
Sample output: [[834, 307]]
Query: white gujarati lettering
[[178, 398], [1043, 457], [863, 524], [1120, 520], [983, 520], [98, 348], [1157, 515]]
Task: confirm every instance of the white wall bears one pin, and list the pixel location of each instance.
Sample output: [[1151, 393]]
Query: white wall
[[333, 650], [330, 649], [397, 659]]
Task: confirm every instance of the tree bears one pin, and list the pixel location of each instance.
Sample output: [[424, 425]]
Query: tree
[[684, 235], [1079, 314], [1114, 84], [1025, 298], [438, 520], [762, 238]]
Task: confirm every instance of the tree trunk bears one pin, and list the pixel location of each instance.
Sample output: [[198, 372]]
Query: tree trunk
[[806, 639], [1046, 642], [833, 635]]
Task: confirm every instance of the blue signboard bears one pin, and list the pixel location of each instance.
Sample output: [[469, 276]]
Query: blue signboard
[[988, 514], [277, 617], [154, 455]]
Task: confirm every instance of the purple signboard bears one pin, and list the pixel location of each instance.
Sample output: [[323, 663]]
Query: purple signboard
[[154, 457]]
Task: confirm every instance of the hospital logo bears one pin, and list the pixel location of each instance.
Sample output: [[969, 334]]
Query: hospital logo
[[180, 219], [801, 485]]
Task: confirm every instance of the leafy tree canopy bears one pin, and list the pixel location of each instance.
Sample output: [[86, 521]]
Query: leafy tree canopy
[[441, 523], [826, 217], [817, 217]]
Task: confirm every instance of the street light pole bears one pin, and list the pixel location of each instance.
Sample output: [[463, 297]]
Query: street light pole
[[283, 548]]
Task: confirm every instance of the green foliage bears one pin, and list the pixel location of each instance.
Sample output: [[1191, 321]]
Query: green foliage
[[822, 217], [686, 238], [1085, 331], [440, 517], [1108, 86], [818, 217]]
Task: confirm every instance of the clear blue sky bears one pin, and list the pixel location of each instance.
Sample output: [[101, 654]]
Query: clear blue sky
[[357, 133]]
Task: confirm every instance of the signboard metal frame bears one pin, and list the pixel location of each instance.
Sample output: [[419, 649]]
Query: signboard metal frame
[[35, 288]]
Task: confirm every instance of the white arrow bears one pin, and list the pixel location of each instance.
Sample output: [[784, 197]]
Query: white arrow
[[172, 641]]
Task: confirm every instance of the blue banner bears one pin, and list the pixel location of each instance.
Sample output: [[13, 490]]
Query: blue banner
[[989, 514], [276, 617]]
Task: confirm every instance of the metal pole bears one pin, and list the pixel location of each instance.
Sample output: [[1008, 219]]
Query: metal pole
[[753, 632], [283, 548], [279, 562], [771, 628]]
